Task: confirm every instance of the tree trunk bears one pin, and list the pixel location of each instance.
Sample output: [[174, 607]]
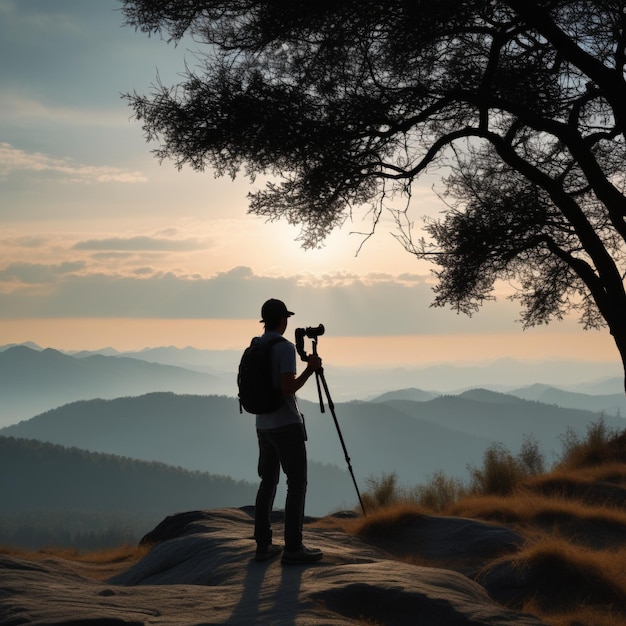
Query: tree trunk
[[618, 332]]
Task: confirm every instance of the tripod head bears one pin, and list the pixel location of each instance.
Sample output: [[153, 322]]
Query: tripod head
[[312, 332]]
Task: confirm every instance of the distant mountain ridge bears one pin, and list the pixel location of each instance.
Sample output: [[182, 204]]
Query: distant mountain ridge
[[409, 438], [209, 361], [32, 381], [613, 405], [48, 382], [412, 394]]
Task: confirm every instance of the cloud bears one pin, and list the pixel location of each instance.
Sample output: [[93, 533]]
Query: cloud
[[168, 232], [142, 243], [14, 160], [30, 241], [144, 271], [356, 307], [37, 273]]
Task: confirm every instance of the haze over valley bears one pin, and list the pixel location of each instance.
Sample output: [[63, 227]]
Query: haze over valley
[[35, 379], [177, 409]]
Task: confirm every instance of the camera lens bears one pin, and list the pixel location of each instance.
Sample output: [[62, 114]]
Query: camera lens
[[312, 332]]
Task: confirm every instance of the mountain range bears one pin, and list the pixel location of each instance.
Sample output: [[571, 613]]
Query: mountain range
[[33, 379], [55, 495], [411, 439], [90, 428], [197, 433]]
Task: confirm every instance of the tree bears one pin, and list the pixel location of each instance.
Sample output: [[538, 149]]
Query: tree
[[522, 105]]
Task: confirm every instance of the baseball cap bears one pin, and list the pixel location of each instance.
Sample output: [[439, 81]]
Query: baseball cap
[[273, 309]]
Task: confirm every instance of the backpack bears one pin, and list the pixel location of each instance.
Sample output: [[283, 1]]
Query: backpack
[[257, 393]]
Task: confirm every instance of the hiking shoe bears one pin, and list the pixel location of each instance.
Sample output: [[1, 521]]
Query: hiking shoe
[[303, 555], [263, 553]]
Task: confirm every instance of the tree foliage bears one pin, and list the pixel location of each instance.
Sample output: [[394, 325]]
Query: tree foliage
[[348, 102]]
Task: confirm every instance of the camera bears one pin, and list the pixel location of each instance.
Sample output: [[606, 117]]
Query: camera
[[311, 331]]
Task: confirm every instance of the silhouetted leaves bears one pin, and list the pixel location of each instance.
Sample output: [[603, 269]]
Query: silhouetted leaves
[[346, 103]]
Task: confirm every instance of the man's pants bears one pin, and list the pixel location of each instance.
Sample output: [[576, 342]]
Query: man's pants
[[281, 447]]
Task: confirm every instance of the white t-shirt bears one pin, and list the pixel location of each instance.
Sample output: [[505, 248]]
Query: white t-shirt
[[283, 362]]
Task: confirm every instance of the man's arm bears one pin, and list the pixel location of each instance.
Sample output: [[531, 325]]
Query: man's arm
[[290, 383]]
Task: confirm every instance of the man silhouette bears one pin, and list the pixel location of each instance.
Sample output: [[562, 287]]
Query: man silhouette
[[281, 435]]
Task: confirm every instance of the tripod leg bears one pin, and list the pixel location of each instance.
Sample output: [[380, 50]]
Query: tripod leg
[[319, 392], [331, 406], [317, 381]]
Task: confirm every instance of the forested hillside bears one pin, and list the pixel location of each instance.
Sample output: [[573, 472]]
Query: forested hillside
[[50, 494], [408, 438]]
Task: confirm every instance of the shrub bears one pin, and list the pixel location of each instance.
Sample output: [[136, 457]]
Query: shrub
[[439, 493], [602, 444], [530, 458], [502, 472], [382, 492], [499, 473]]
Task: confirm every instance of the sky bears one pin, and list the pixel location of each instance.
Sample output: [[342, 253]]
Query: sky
[[101, 245]]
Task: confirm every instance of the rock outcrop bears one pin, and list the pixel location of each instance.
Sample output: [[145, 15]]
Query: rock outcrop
[[201, 571]]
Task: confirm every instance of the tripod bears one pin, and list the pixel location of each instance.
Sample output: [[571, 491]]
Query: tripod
[[320, 379]]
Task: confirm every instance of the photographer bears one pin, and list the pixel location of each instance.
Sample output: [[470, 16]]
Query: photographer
[[281, 435]]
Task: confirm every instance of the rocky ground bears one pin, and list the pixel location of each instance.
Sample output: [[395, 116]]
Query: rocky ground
[[201, 571]]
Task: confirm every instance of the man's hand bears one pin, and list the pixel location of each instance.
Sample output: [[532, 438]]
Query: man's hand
[[314, 362]]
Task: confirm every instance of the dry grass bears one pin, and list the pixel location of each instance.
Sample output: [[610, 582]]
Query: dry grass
[[571, 571], [97, 564], [385, 521], [566, 584], [603, 485], [573, 567], [581, 616], [381, 523], [528, 508]]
